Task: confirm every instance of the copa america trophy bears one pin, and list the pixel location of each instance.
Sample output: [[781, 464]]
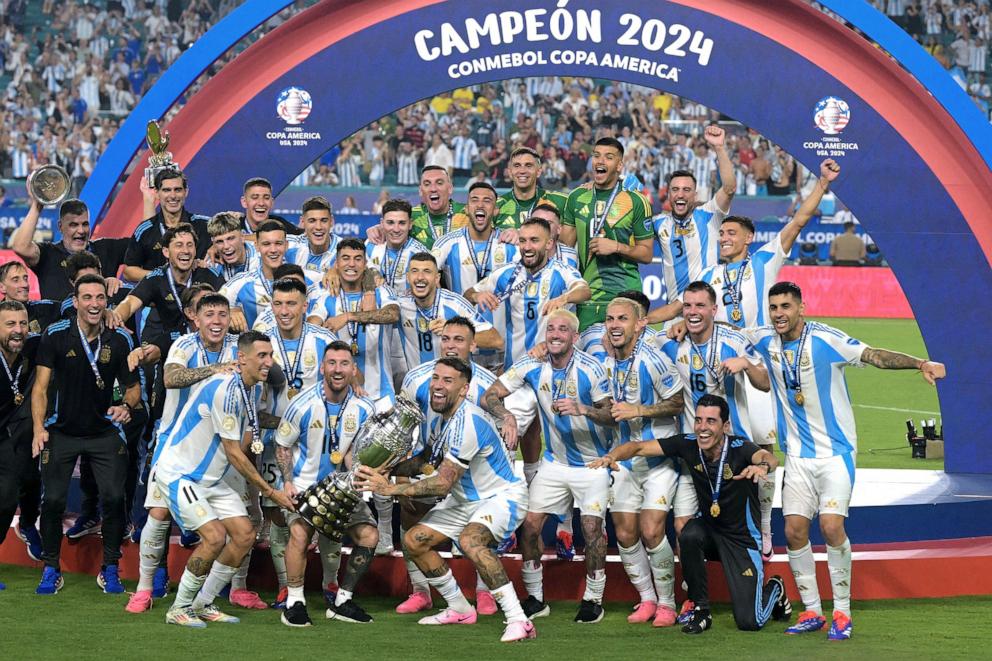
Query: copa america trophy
[[384, 441], [158, 142]]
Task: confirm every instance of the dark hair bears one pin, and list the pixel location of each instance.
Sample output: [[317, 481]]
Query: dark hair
[[525, 151], [637, 296], [848, 225], [699, 285], [10, 305], [482, 184], [7, 267], [427, 168], [248, 338], [186, 298], [168, 173], [89, 279], [257, 181], [456, 364], [72, 207], [459, 320], [539, 222], [715, 400], [424, 257], [317, 202], [173, 232], [337, 345], [610, 142], [210, 299], [396, 204], [287, 285], [786, 287], [269, 226], [547, 206], [288, 270], [352, 244], [679, 173], [81, 261], [743, 221]]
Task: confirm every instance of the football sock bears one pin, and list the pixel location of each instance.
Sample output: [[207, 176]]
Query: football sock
[[766, 495], [417, 578], [565, 523], [342, 596], [839, 563], [533, 575], [480, 585], [330, 559], [662, 560], [804, 570], [240, 579], [153, 542], [189, 587], [635, 563], [384, 512], [507, 599], [278, 538], [295, 596], [595, 585], [219, 576], [448, 588]]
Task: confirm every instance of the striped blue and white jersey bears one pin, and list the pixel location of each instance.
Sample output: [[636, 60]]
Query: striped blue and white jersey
[[569, 440], [192, 449], [823, 425], [519, 319], [190, 352], [417, 388], [393, 263], [566, 255], [418, 342], [375, 341], [646, 379], [748, 287], [690, 247], [591, 339], [298, 362], [454, 254], [316, 428], [470, 439], [252, 263], [699, 367], [298, 252], [252, 292]]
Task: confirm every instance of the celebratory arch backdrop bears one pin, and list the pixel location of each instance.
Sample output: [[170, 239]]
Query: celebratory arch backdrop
[[915, 154]]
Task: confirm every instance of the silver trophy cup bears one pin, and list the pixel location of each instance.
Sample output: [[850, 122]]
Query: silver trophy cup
[[384, 441]]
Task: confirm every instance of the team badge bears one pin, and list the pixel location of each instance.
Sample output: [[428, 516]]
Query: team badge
[[34, 326], [350, 423], [697, 362], [790, 356], [181, 355], [632, 380], [727, 473], [570, 389], [229, 423], [500, 256], [804, 361], [532, 289], [285, 429], [105, 355], [830, 504], [545, 288], [748, 272], [309, 358]]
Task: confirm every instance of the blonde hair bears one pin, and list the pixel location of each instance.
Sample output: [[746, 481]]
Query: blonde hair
[[569, 316], [634, 305]]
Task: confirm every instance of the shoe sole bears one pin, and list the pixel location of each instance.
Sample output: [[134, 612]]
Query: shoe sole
[[598, 619], [332, 615], [544, 612], [188, 625], [297, 626], [58, 586], [83, 533]]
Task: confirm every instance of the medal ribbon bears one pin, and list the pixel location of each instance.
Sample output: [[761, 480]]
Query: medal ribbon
[[13, 378], [447, 221], [440, 441], [710, 359], [91, 355], [558, 387], [250, 412], [620, 385], [292, 375], [175, 294], [332, 437], [353, 326], [389, 270], [266, 284], [734, 288], [481, 268], [599, 221], [201, 350], [435, 307], [719, 474], [790, 373]]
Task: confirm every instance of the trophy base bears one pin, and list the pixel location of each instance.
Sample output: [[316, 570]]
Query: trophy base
[[328, 505]]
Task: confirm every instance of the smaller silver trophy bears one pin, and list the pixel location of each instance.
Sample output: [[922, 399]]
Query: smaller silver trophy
[[158, 142], [384, 441]]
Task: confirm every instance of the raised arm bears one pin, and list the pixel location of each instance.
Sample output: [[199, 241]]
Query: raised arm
[[716, 138], [829, 170], [893, 360], [22, 241]]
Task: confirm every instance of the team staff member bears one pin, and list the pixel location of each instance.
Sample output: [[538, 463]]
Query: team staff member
[[17, 354], [144, 249], [16, 286], [47, 259], [725, 470], [84, 358], [611, 230]]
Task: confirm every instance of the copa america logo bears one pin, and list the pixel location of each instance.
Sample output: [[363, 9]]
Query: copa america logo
[[831, 115], [293, 105]]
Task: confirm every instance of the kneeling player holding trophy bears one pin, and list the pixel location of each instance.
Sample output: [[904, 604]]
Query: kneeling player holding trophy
[[485, 500]]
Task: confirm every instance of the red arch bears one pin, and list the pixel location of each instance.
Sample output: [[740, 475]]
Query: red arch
[[881, 82]]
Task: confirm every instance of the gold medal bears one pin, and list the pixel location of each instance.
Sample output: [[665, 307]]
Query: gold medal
[[428, 469], [18, 399], [354, 348], [99, 383], [800, 398], [257, 447], [292, 392], [336, 457], [715, 510], [736, 314]]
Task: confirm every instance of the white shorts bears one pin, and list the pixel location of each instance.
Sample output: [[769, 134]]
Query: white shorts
[[638, 490], [556, 487], [812, 485], [192, 505], [269, 470], [686, 501], [154, 496], [522, 404], [500, 514], [760, 415]]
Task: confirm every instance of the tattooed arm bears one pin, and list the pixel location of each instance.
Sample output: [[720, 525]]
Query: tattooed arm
[[492, 401], [893, 360], [436, 485], [284, 459], [668, 407], [177, 376], [387, 315], [245, 466], [412, 466]]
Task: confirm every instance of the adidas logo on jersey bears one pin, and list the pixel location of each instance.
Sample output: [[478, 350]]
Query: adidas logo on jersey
[[71, 354], [488, 518], [545, 388], [661, 501], [747, 572], [684, 360], [316, 424]]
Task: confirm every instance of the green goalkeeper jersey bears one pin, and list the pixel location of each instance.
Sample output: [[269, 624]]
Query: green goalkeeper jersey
[[427, 227], [512, 212]]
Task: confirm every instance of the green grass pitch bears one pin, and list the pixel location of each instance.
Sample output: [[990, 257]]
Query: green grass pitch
[[82, 623]]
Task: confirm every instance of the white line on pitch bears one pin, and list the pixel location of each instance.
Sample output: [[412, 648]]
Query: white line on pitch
[[889, 408]]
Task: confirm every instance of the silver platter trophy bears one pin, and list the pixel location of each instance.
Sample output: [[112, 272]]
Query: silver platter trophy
[[384, 441], [158, 142], [49, 184]]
